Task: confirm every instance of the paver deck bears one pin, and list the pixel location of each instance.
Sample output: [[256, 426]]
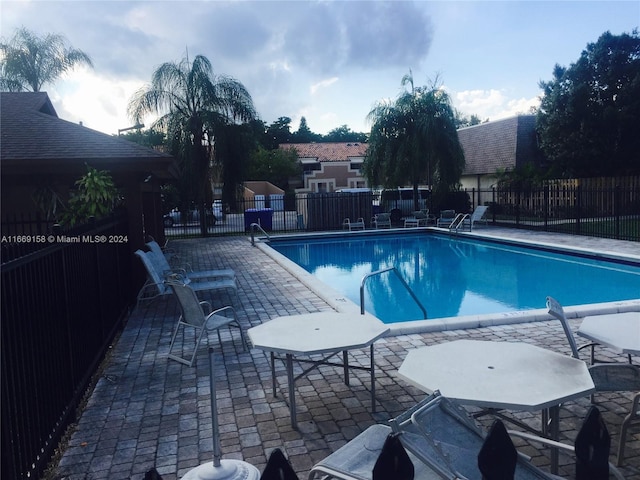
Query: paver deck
[[147, 411]]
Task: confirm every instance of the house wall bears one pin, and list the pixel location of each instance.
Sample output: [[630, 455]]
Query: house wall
[[331, 177]]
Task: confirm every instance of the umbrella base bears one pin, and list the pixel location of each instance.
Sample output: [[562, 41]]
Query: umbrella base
[[228, 470]]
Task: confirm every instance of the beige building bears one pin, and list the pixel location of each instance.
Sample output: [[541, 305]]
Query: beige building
[[328, 167], [488, 148], [498, 145]]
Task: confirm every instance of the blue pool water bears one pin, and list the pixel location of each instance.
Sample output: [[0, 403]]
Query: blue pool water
[[458, 277]]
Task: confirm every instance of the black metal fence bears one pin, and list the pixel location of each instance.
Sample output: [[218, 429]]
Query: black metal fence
[[609, 211], [64, 297]]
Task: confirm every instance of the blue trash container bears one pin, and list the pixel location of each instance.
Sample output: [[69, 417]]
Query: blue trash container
[[250, 216], [265, 215]]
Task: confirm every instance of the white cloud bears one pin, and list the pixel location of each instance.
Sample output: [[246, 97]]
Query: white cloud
[[102, 101], [492, 104], [322, 84]]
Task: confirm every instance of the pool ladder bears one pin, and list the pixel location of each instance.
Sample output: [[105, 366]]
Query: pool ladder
[[406, 285], [458, 222], [254, 227]]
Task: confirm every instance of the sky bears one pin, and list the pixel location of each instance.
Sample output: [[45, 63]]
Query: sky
[[327, 61]]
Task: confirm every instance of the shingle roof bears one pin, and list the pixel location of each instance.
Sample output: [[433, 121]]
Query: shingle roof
[[499, 144], [328, 152], [33, 138]]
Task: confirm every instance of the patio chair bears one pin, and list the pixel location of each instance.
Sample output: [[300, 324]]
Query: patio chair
[[418, 219], [632, 418], [607, 376], [446, 218], [358, 459], [200, 317], [162, 265], [155, 285], [442, 435], [382, 220], [357, 225], [476, 217]]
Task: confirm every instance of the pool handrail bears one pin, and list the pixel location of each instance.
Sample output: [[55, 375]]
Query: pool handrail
[[458, 222], [406, 285], [253, 227]]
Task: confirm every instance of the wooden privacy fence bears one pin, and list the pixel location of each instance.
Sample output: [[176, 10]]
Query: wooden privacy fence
[[64, 296]]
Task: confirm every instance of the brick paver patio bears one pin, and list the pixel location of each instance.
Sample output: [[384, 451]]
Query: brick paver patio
[[147, 411]]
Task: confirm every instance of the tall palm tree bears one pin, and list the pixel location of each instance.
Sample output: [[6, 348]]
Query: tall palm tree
[[414, 140], [195, 107], [28, 62]]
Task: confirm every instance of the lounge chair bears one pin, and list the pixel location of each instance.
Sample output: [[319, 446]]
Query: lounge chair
[[441, 434], [162, 265], [476, 217], [382, 220], [418, 219], [200, 317], [442, 441], [446, 218], [607, 377], [357, 225], [155, 286], [358, 458]]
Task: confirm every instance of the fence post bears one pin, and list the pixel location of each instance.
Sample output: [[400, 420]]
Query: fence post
[[616, 210], [578, 197], [545, 196]]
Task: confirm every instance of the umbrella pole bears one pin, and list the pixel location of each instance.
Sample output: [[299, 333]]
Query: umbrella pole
[[220, 469]]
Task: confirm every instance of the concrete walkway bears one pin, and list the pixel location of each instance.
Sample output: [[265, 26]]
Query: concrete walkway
[[147, 411]]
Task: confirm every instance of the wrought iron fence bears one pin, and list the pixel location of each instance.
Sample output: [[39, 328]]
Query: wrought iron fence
[[579, 208], [64, 296]]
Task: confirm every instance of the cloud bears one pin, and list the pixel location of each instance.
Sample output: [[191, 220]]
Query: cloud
[[322, 84], [492, 104], [327, 37]]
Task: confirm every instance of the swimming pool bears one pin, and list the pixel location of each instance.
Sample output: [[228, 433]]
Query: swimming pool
[[458, 276]]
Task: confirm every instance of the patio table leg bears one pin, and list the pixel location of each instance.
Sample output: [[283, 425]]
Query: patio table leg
[[373, 380], [554, 432], [292, 393], [273, 373], [345, 366]]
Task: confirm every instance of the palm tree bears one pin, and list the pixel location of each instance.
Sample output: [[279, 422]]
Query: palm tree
[[414, 140], [195, 108], [28, 61]]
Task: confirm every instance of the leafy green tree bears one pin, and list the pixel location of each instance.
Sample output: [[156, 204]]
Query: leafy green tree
[[278, 132], [304, 134], [344, 134], [149, 138], [589, 116], [28, 61], [195, 107], [464, 121], [233, 158], [414, 140], [275, 166]]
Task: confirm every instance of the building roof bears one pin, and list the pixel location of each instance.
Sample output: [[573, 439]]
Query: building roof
[[328, 152], [501, 144], [33, 139]]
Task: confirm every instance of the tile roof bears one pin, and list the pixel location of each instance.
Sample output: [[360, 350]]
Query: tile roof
[[499, 144], [32, 136], [328, 152]]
